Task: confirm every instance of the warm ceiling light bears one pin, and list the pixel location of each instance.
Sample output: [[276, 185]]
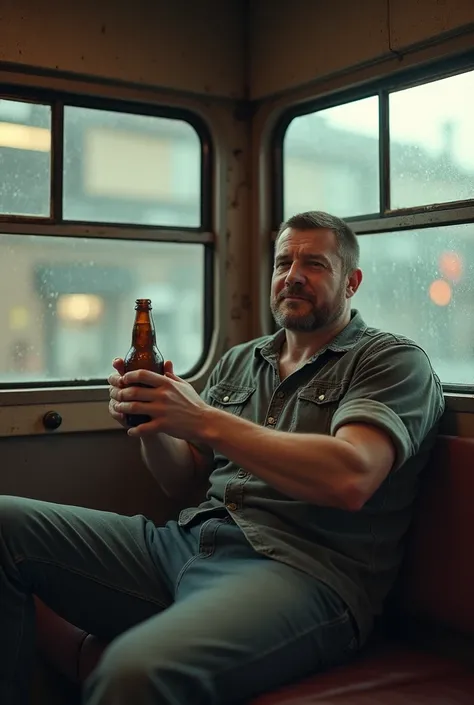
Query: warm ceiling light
[[36, 139], [80, 308]]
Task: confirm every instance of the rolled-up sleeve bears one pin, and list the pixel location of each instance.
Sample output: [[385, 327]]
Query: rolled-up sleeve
[[394, 388]]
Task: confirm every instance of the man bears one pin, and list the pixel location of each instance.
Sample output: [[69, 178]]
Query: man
[[313, 439]]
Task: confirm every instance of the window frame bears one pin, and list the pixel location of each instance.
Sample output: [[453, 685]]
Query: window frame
[[55, 225], [386, 220]]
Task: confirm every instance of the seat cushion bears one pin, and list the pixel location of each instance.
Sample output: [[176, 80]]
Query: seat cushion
[[392, 674], [455, 689], [438, 577]]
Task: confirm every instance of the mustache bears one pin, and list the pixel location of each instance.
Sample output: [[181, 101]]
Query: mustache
[[292, 291]]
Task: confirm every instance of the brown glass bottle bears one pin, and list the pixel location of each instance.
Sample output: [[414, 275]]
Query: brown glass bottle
[[143, 354]]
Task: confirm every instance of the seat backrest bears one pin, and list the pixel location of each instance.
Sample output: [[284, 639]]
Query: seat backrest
[[437, 583]]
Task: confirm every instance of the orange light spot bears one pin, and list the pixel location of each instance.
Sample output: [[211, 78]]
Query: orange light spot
[[440, 292], [451, 266]]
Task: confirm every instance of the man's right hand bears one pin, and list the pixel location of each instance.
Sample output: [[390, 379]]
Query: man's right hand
[[115, 381]]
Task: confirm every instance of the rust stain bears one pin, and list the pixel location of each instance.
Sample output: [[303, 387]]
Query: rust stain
[[235, 201], [235, 313], [246, 302]]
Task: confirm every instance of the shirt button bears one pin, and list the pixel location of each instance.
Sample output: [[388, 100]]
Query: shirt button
[[242, 473], [231, 507], [226, 399], [321, 397], [280, 395], [271, 421]]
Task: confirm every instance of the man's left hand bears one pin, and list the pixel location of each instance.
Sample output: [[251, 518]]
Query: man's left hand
[[172, 403]]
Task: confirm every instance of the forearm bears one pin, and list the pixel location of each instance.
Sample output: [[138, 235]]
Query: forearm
[[315, 468], [174, 464]]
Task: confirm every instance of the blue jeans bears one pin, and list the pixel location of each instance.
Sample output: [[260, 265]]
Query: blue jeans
[[195, 616]]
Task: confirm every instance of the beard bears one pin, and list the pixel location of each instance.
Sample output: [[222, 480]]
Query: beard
[[287, 315]]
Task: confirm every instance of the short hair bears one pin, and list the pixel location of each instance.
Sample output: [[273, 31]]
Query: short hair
[[348, 245]]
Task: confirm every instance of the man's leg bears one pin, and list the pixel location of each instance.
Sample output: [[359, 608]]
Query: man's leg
[[241, 625], [94, 568]]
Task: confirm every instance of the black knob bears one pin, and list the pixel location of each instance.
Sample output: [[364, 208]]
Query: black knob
[[52, 420]]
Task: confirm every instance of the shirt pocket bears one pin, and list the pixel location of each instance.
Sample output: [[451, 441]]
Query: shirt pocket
[[232, 398], [315, 406]]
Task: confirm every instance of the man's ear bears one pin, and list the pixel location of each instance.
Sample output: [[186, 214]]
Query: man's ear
[[353, 282]]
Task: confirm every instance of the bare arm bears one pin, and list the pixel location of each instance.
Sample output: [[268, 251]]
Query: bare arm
[[393, 401], [174, 463], [341, 471]]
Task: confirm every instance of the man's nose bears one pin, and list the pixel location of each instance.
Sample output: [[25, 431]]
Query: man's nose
[[295, 275]]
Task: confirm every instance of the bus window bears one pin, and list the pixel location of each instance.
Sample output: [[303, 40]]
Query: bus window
[[332, 156], [119, 210], [25, 158], [393, 164]]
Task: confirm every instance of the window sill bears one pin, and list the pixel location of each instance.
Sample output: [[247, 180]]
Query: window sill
[[77, 417]]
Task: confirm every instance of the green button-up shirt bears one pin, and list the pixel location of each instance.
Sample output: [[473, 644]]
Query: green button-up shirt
[[363, 376]]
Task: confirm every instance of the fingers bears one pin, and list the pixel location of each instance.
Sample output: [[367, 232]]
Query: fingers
[[117, 416], [169, 371], [132, 393], [115, 381], [172, 376], [151, 379], [168, 367], [116, 378], [132, 407], [127, 398], [119, 365]]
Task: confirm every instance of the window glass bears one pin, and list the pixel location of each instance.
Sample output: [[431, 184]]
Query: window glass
[[331, 160], [69, 304], [420, 284], [125, 168], [25, 158], [431, 143]]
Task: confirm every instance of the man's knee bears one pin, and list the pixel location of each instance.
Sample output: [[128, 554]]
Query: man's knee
[[123, 675], [21, 524], [12, 513], [133, 671], [118, 673]]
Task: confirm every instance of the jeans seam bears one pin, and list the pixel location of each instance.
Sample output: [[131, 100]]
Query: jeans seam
[[202, 554], [99, 582], [344, 617], [183, 570], [203, 531]]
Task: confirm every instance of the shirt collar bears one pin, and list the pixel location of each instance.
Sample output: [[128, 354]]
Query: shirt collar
[[344, 341]]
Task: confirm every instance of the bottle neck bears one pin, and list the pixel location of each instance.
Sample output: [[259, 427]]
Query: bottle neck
[[143, 334]]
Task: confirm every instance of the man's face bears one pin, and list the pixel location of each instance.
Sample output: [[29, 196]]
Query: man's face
[[309, 290]]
